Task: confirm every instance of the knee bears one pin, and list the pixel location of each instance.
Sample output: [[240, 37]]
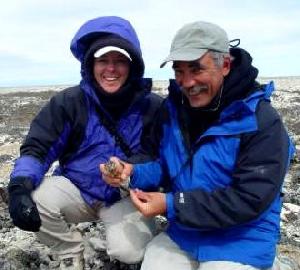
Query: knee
[[45, 203], [49, 194], [126, 245], [41, 198], [126, 253]]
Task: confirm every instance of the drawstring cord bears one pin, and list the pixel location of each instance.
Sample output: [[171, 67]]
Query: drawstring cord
[[234, 43]]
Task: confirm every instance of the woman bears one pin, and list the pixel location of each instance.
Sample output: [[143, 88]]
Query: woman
[[108, 114]]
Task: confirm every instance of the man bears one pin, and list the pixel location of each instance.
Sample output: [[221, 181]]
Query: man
[[108, 114], [224, 153]]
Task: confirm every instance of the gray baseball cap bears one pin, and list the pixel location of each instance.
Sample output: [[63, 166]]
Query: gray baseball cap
[[194, 39]]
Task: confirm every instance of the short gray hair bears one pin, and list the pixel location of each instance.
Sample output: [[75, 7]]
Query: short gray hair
[[218, 57]]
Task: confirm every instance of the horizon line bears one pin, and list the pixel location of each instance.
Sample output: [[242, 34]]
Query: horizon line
[[158, 80]]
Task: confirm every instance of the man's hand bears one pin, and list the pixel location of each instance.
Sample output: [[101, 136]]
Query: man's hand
[[22, 208], [149, 203], [116, 172]]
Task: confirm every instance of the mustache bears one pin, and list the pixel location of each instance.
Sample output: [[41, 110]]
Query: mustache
[[195, 89]]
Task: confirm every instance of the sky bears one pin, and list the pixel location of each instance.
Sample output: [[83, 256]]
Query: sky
[[35, 35]]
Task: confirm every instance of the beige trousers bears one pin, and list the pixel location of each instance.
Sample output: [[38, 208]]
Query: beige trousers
[[59, 203], [163, 253]]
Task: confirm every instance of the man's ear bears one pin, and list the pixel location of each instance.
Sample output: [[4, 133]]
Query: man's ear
[[226, 66]]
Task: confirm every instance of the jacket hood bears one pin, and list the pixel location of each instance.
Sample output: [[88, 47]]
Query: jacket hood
[[106, 31], [93, 29], [238, 84], [241, 80]]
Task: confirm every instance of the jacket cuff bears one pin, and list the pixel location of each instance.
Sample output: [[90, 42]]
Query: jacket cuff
[[134, 177], [170, 206], [29, 167]]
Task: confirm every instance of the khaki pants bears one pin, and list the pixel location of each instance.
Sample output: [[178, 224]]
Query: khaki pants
[[59, 203], [162, 253]]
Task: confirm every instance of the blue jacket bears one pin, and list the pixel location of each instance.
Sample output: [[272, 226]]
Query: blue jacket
[[70, 130], [224, 202]]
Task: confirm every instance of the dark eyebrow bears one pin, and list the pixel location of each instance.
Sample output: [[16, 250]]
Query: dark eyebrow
[[196, 64]]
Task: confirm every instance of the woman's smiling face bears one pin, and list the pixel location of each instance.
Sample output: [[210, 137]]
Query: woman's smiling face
[[111, 71]]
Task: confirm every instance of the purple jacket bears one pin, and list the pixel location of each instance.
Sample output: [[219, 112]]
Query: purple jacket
[[68, 128]]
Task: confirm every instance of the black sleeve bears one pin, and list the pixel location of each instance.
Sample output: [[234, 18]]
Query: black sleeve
[[260, 170], [61, 114]]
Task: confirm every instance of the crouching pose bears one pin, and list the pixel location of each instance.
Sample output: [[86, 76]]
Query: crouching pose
[[224, 152], [108, 114]]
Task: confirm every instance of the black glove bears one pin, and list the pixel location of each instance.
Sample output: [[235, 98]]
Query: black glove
[[22, 208]]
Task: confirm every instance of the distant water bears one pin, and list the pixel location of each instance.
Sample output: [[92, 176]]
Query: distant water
[[160, 84], [36, 88], [280, 82]]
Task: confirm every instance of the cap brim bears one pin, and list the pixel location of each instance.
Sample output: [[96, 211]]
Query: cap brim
[[107, 49], [184, 55]]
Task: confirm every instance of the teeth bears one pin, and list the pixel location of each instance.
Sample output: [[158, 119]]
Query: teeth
[[196, 90], [111, 78]]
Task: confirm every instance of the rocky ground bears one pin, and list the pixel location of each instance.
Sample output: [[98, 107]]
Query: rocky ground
[[20, 250]]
